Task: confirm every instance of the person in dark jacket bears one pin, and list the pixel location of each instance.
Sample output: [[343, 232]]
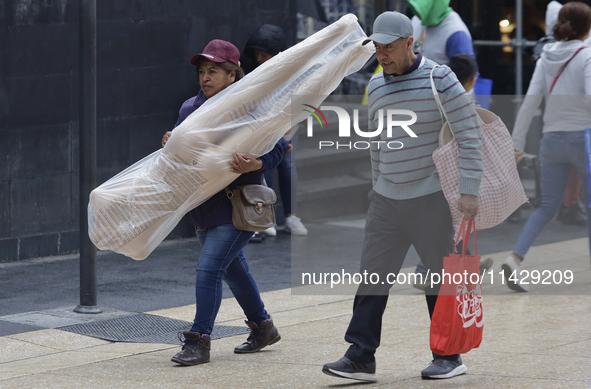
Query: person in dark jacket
[[222, 256], [266, 42]]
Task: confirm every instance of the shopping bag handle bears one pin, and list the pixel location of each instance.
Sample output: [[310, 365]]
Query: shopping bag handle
[[465, 232]]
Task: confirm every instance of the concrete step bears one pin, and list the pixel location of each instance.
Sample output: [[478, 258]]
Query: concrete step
[[323, 198], [315, 164]]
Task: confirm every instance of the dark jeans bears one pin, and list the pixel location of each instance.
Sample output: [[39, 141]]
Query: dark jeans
[[222, 258], [288, 180], [391, 227]]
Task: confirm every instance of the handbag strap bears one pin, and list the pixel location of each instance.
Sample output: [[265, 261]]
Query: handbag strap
[[442, 112], [465, 232], [564, 67], [230, 194]]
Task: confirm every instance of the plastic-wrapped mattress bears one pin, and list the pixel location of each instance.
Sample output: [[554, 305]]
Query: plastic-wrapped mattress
[[134, 211]]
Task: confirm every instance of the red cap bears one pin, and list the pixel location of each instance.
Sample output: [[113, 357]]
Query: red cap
[[219, 51]]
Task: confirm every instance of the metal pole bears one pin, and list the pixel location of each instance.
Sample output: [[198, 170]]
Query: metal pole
[[513, 43], [519, 48], [87, 149]]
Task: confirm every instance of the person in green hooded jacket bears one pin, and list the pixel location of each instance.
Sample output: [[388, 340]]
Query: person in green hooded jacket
[[439, 31]]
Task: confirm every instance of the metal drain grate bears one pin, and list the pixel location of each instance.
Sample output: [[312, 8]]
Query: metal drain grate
[[144, 328]]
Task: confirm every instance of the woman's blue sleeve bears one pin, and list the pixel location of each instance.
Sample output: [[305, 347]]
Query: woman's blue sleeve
[[274, 157]]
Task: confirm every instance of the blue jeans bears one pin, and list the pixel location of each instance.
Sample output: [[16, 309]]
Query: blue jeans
[[288, 180], [559, 152], [222, 257]]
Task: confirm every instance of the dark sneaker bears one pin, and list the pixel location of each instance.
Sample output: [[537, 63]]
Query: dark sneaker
[[257, 238], [485, 265], [443, 368], [261, 335], [572, 216], [346, 368], [421, 285], [515, 217], [195, 350]]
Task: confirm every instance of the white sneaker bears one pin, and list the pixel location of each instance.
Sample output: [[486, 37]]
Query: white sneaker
[[512, 272], [294, 226], [270, 231]]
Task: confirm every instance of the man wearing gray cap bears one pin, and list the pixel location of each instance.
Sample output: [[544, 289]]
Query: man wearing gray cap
[[407, 205]]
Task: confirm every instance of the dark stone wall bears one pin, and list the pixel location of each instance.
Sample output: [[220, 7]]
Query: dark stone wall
[[143, 77]]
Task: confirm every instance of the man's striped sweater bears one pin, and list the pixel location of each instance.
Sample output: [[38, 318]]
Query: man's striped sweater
[[410, 172]]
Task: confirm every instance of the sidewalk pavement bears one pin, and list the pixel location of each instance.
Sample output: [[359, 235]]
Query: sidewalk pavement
[[540, 339]]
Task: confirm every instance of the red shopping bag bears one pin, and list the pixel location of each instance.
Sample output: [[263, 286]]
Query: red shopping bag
[[457, 322]]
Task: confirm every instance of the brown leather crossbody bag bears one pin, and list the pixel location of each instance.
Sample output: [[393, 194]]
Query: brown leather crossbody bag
[[252, 207]]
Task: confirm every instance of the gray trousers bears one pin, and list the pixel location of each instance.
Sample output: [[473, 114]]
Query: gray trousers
[[391, 227]]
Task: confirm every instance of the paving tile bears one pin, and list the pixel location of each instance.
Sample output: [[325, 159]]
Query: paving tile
[[9, 328], [575, 246], [413, 314], [470, 380], [275, 301], [60, 340], [43, 319], [320, 331], [525, 342], [291, 298], [298, 377], [479, 356], [307, 314], [540, 255], [581, 348], [284, 376], [186, 312], [60, 381], [536, 313], [538, 366], [15, 350], [406, 336], [151, 367], [343, 319], [284, 352], [9, 374], [128, 348], [56, 361]]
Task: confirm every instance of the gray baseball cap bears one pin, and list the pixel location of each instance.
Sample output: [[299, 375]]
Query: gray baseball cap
[[390, 26]]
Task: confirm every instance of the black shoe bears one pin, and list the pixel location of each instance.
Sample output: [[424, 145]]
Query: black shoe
[[421, 281], [195, 350], [346, 368], [572, 216], [261, 335], [443, 368], [257, 238], [485, 265], [515, 217]]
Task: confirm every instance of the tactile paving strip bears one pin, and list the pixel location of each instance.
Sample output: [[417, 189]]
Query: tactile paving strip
[[144, 328]]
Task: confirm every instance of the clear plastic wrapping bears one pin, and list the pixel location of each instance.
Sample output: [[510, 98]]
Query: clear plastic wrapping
[[134, 211]]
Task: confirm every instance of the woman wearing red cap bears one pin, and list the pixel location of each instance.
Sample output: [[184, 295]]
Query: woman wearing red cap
[[222, 256]]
